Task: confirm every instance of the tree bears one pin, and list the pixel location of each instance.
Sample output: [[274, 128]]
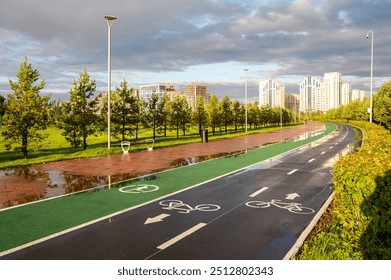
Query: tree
[[382, 106], [151, 114], [200, 115], [26, 111], [2, 107], [163, 113], [123, 111], [213, 112], [180, 114], [226, 112], [237, 114], [81, 119]]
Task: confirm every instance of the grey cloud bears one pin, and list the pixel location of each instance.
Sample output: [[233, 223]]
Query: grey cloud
[[303, 37]]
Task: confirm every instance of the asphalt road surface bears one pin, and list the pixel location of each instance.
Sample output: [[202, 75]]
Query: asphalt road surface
[[255, 213]]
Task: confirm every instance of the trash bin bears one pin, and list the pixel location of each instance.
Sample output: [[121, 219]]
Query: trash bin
[[204, 135]]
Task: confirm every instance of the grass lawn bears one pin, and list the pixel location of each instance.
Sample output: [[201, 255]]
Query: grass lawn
[[56, 148]]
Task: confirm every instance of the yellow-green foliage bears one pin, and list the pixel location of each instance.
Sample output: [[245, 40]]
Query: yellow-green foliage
[[360, 226]]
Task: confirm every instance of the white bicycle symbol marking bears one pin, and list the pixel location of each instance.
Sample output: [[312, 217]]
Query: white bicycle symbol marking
[[291, 207], [142, 188], [172, 204]]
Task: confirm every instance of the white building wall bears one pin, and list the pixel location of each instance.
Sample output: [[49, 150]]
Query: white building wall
[[346, 93], [272, 93], [333, 85]]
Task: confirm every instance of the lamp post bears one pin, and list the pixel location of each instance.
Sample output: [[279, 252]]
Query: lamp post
[[245, 96], [371, 98], [110, 21]]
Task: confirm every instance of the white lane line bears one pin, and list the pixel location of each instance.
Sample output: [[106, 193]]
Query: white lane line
[[311, 160], [331, 147], [293, 171], [322, 153], [258, 192], [181, 236]]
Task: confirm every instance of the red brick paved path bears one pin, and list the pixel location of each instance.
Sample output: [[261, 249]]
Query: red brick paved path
[[46, 180]]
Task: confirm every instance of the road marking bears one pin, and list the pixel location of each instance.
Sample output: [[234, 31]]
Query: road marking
[[293, 171], [156, 219], [258, 192], [322, 153], [181, 236], [292, 196], [311, 160], [331, 147]]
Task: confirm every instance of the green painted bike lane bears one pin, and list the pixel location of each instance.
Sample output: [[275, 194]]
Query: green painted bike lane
[[31, 222]]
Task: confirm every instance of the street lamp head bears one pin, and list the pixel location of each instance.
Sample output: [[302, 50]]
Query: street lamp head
[[110, 18]]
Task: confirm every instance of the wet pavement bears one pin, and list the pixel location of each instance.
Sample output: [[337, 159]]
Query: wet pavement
[[32, 183]]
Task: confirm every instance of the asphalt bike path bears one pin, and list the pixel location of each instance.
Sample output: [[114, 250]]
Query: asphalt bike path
[[120, 236]]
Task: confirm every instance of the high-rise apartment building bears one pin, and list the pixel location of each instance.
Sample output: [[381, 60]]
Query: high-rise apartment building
[[292, 102], [272, 93], [312, 95], [358, 94], [193, 92], [346, 93], [333, 85]]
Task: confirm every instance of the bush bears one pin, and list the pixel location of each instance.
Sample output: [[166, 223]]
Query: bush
[[360, 216]]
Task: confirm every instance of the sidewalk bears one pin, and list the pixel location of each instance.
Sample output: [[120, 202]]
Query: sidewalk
[[21, 185]]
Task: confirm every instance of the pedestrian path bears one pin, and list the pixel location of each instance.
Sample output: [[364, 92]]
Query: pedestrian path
[[48, 218]]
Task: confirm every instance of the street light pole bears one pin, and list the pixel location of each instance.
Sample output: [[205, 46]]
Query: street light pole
[[371, 97], [110, 21], [245, 96]]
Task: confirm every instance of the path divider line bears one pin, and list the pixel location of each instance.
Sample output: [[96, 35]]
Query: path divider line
[[181, 236], [258, 192]]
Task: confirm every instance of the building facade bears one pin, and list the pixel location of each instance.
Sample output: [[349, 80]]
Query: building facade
[[146, 91], [333, 85], [272, 93], [346, 93], [193, 92], [312, 95]]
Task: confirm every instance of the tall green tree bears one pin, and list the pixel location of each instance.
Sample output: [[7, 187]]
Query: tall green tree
[[213, 112], [382, 105], [123, 111], [180, 114], [2, 107], [164, 115], [226, 112], [237, 114], [26, 111], [81, 118], [151, 119], [200, 115]]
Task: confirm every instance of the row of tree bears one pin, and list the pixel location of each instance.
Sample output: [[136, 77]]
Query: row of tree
[[358, 110], [25, 113]]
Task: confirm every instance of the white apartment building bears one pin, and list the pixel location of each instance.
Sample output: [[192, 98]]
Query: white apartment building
[[358, 94], [313, 96], [333, 84], [272, 93], [346, 93], [162, 89]]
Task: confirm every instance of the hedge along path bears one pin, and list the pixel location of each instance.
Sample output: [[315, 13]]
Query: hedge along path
[[36, 222]]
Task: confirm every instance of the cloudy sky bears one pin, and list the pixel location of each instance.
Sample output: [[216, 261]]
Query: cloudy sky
[[205, 41]]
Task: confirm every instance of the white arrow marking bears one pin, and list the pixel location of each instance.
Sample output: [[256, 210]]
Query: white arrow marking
[[292, 196], [258, 192], [181, 236], [156, 219]]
